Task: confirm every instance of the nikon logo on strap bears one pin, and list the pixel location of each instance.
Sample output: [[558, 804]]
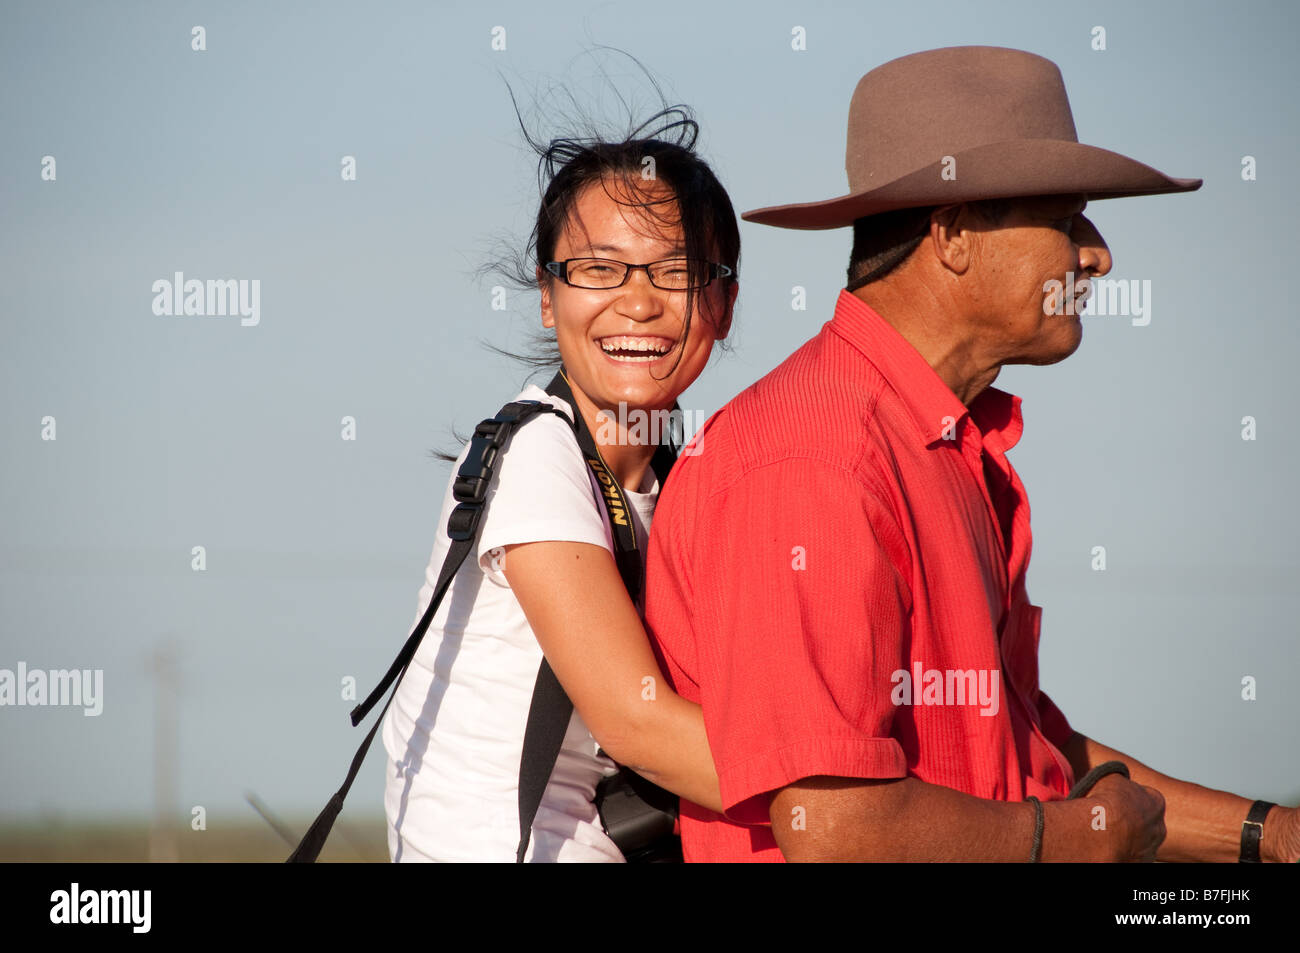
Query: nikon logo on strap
[[617, 510]]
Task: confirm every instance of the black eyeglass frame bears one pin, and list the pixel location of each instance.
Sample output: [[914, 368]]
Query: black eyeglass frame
[[560, 269]]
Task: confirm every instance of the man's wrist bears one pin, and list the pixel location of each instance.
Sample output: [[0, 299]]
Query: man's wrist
[[1252, 830], [1071, 836], [1272, 849]]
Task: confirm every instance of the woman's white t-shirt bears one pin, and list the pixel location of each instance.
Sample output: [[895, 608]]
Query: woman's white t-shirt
[[454, 731]]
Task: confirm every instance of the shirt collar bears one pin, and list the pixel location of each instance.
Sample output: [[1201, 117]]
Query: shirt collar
[[995, 412]]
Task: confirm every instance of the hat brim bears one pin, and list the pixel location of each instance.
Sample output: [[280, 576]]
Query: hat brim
[[1020, 167]]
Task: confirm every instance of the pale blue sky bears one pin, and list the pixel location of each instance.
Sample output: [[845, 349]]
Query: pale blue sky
[[183, 431]]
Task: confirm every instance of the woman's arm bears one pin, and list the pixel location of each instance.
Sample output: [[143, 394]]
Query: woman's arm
[[591, 634]]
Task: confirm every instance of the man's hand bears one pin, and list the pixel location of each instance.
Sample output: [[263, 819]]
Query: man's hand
[[1203, 825], [1135, 818]]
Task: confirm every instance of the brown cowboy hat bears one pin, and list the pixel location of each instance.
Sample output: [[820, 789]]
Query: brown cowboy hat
[[962, 124]]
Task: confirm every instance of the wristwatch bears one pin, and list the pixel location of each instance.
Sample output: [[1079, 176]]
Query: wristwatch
[[1252, 831]]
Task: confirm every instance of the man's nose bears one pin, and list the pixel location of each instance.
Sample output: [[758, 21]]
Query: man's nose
[[1094, 256]]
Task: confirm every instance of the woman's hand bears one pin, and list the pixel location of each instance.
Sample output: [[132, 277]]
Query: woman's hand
[[590, 633]]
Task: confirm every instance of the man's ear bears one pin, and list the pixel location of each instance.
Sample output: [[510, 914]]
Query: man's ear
[[950, 237], [544, 286]]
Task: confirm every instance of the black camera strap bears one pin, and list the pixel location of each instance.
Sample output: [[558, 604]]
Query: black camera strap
[[469, 491], [551, 708]]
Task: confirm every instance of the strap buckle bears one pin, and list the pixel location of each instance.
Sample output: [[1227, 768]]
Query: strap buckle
[[1252, 831], [472, 479]]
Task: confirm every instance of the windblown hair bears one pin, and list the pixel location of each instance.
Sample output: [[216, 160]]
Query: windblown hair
[[649, 164]]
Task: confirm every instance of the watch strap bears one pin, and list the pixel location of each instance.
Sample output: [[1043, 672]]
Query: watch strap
[[1252, 831]]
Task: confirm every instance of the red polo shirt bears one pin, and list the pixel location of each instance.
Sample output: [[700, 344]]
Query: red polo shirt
[[838, 577]]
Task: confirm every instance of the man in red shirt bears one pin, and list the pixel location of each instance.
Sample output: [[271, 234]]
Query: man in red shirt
[[837, 573]]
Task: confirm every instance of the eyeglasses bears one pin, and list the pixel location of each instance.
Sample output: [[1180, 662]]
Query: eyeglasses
[[602, 274]]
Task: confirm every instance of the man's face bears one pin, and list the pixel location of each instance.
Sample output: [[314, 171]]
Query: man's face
[[1030, 268]]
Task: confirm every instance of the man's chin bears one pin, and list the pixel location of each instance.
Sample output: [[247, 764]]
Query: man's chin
[[1071, 339], [1053, 357]]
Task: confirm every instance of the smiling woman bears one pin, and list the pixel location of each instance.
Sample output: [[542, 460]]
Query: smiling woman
[[627, 340], [637, 280]]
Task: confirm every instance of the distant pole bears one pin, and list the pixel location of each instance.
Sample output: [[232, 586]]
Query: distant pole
[[162, 836], [277, 825]]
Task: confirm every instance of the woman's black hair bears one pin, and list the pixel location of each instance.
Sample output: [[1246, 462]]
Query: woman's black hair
[[658, 151]]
